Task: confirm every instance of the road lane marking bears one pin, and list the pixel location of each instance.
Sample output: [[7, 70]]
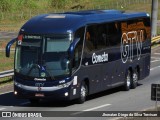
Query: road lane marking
[[94, 108], [157, 53], [155, 61], [155, 58], [91, 109], [2, 109], [155, 68]]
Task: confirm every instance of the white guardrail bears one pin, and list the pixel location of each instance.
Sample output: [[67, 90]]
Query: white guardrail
[[155, 40], [6, 73]]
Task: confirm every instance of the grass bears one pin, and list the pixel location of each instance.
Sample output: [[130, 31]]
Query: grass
[[5, 81], [5, 63], [19, 11]]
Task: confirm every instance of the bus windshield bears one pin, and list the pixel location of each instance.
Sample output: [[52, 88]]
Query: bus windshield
[[43, 56]]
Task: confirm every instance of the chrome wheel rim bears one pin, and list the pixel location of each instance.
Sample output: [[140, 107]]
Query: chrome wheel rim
[[135, 77], [83, 92]]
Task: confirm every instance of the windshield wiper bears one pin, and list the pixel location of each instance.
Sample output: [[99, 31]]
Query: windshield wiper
[[34, 66]]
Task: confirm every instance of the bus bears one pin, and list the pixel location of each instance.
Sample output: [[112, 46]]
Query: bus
[[71, 55]]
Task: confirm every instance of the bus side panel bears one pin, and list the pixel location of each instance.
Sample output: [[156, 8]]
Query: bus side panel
[[91, 75], [94, 74], [145, 60]]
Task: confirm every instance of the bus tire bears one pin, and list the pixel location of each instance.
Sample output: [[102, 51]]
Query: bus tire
[[134, 81], [128, 78], [83, 93]]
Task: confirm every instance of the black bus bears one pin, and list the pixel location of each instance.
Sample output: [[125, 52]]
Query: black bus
[[74, 54]]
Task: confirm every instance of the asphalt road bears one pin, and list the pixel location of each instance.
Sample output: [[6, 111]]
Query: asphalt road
[[111, 100]]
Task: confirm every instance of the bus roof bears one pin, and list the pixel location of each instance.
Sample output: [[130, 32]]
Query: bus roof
[[70, 21]]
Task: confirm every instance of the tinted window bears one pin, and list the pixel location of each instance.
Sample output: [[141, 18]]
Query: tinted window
[[137, 29], [113, 34], [79, 34], [101, 36]]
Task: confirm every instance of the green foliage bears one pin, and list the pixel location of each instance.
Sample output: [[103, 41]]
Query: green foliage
[[5, 5], [17, 12], [50, 5], [57, 3], [17, 5], [27, 5], [63, 4]]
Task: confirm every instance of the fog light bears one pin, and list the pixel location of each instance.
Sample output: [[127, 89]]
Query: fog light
[[66, 94], [15, 92]]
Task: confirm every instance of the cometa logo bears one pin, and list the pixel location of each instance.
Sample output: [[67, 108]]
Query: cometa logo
[[99, 58]]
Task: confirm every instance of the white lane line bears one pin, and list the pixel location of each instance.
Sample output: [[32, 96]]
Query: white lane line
[[101, 106], [155, 68], [155, 61], [2, 109], [91, 109], [157, 53], [155, 58]]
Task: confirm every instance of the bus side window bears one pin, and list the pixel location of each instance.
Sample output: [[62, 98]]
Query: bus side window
[[89, 42], [101, 37], [78, 50], [97, 37], [90, 39], [113, 34], [146, 22]]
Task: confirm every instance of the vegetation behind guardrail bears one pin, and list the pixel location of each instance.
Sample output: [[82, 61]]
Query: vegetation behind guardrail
[[14, 13], [5, 63]]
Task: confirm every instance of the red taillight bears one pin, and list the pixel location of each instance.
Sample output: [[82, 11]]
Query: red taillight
[[20, 37]]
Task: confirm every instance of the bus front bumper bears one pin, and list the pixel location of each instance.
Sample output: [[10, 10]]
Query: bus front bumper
[[32, 92]]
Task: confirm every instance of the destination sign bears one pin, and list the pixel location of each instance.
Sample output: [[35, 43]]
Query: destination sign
[[32, 37]]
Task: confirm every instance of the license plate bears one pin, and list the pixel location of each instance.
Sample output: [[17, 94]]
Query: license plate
[[39, 95]]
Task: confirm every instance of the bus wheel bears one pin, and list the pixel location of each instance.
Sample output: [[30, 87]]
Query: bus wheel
[[134, 80], [83, 93], [128, 81]]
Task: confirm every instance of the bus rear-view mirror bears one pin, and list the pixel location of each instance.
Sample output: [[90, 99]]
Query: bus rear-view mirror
[[8, 47], [73, 46]]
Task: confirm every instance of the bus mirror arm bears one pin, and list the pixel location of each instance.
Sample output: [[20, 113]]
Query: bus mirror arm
[[73, 46], [8, 46]]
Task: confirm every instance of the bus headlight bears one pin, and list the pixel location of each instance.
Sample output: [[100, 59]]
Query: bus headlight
[[15, 92], [65, 85], [66, 94]]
